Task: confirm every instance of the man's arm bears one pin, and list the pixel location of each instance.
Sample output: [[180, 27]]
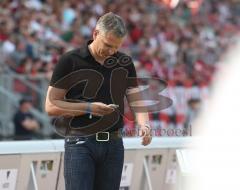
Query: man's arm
[[141, 118], [30, 124], [55, 105]]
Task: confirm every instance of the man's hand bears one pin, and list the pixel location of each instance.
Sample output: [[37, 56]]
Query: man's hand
[[31, 124], [145, 133], [100, 109]]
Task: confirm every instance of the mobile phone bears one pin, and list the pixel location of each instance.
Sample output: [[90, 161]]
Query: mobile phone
[[113, 106]]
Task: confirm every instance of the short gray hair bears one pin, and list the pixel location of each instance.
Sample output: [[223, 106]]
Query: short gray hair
[[111, 22]]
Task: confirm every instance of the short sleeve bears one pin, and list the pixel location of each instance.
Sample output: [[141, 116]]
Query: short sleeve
[[132, 76], [62, 69]]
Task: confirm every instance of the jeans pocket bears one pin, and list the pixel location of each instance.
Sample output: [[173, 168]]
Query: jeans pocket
[[75, 143]]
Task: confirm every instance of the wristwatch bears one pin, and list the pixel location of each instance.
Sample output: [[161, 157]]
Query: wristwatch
[[89, 110]]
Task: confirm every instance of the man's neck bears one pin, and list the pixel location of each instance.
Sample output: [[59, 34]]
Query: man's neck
[[94, 54]]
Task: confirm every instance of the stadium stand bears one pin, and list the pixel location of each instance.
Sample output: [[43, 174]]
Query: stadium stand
[[182, 46]]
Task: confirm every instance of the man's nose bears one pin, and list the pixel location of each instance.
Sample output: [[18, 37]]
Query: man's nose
[[111, 51]]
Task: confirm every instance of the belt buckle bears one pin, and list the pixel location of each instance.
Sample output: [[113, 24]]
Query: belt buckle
[[102, 140]]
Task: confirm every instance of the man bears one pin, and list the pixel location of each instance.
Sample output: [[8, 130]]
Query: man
[[25, 124], [96, 160]]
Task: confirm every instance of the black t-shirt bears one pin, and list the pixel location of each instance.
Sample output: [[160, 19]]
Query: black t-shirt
[[19, 117], [106, 83]]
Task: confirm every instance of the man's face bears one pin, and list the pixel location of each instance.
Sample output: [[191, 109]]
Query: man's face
[[27, 106], [106, 43]]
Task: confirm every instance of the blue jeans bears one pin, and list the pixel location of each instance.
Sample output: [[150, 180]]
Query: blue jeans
[[93, 165]]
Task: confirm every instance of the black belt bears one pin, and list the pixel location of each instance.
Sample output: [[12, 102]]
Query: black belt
[[100, 136]]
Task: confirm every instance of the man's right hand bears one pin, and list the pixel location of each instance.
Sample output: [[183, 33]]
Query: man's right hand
[[100, 109]]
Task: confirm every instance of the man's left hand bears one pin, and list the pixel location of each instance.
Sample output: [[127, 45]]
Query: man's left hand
[[145, 133]]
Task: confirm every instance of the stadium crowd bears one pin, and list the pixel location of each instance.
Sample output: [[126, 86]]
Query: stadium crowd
[[182, 46]]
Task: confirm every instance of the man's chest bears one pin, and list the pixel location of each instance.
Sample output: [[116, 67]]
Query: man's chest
[[97, 80]]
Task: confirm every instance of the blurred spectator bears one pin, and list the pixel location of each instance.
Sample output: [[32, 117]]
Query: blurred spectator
[[25, 124], [194, 106]]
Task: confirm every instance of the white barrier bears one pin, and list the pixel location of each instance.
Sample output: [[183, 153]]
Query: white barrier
[[37, 165]]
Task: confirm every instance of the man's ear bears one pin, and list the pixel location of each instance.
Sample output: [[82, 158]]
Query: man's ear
[[95, 33]]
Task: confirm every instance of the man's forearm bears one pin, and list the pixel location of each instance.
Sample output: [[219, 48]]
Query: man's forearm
[[61, 107], [134, 95], [142, 119]]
